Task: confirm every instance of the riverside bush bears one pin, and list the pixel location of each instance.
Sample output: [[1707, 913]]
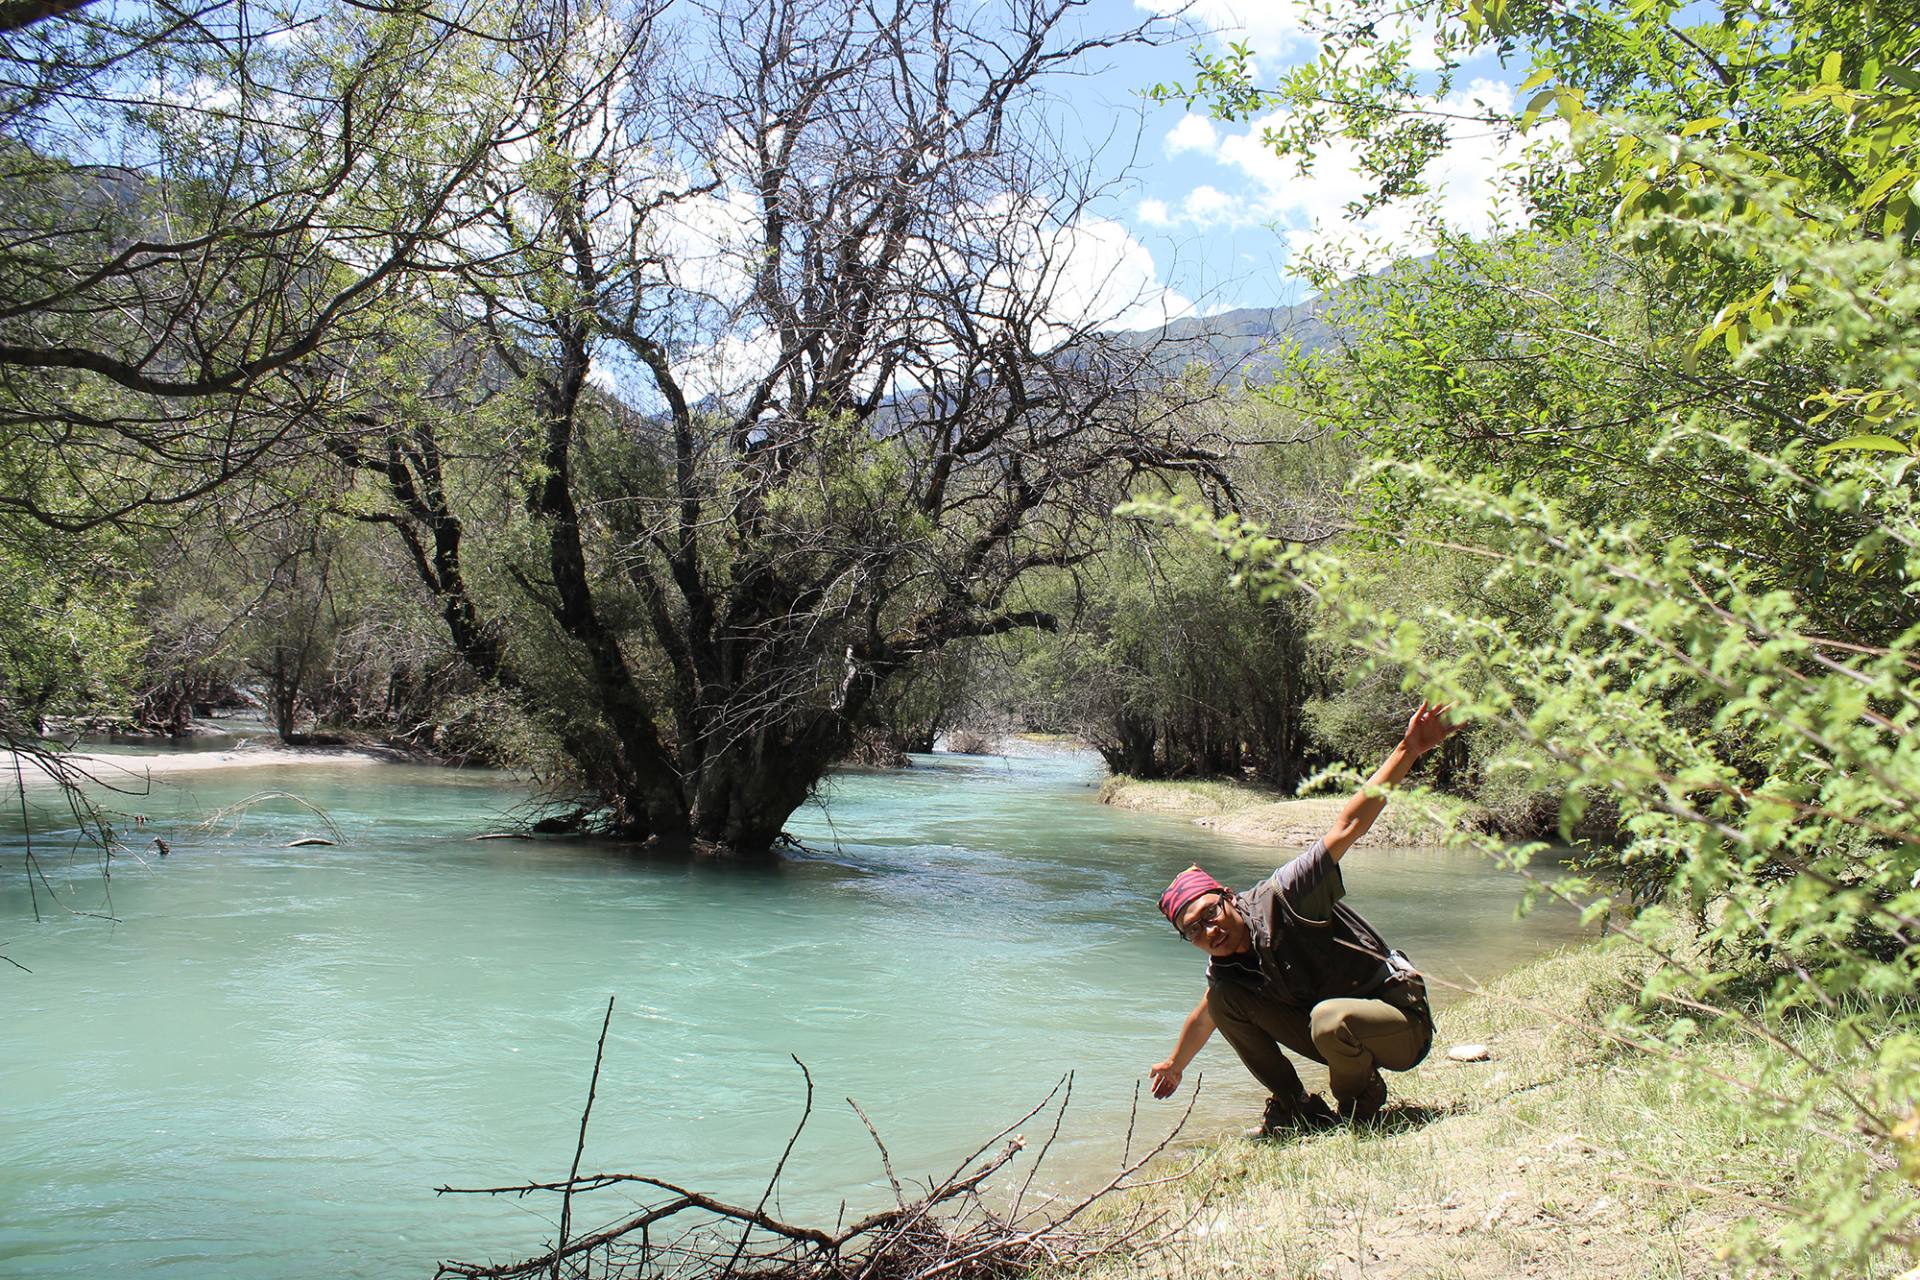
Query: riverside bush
[[1675, 421], [1766, 776]]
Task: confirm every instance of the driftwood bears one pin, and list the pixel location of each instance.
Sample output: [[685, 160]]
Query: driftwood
[[955, 1229]]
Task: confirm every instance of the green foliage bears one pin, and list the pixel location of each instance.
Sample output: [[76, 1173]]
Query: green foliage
[[1170, 671], [1759, 163], [1673, 424], [1766, 775], [68, 630]]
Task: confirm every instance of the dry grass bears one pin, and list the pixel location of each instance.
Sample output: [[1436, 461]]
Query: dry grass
[[1564, 1156]]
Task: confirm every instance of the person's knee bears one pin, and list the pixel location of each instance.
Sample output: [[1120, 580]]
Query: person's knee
[[1328, 1028]]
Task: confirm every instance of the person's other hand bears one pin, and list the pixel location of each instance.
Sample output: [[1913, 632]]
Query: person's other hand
[[1428, 728], [1165, 1077]]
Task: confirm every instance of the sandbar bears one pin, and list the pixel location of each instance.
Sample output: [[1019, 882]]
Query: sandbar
[[134, 767]]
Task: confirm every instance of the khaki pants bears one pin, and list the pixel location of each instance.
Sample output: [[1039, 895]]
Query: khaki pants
[[1353, 1038]]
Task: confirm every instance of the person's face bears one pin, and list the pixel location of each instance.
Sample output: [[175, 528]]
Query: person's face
[[1214, 924]]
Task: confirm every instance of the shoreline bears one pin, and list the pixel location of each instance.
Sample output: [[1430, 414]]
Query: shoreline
[[1560, 1155], [1254, 813], [110, 769], [1533, 1163]]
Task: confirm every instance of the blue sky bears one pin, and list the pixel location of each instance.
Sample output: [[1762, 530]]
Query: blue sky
[[1210, 219]]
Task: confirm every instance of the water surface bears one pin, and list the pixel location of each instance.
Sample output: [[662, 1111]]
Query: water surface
[[266, 1064]]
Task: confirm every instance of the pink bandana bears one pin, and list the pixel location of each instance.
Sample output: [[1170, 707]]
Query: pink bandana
[[1188, 885]]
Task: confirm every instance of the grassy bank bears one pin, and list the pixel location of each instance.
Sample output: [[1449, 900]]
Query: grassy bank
[[1565, 1155], [1255, 813]]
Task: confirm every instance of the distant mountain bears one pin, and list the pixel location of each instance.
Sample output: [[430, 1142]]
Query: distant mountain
[[1237, 345]]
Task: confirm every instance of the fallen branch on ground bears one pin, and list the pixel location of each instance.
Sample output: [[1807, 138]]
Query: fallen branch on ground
[[956, 1230]]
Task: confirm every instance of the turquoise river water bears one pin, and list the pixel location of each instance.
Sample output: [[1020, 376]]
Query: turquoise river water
[[270, 1056]]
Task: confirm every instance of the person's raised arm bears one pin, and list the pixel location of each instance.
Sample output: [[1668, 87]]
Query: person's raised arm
[[1427, 730], [1193, 1034]]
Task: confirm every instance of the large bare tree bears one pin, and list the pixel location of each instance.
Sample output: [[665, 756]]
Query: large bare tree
[[835, 260]]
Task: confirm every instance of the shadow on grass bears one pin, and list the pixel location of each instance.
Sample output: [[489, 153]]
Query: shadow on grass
[[1395, 1117], [1401, 1117]]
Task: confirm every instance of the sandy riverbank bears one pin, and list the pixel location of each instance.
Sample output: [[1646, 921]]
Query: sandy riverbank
[[1256, 814], [122, 768]]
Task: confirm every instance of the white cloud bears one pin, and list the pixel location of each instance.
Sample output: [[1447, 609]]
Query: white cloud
[[1109, 280], [1472, 185], [1193, 133], [1155, 213], [1090, 274], [1272, 28], [724, 370], [712, 244], [1066, 278], [1208, 206]]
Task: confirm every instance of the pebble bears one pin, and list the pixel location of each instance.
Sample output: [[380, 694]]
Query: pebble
[[1470, 1053]]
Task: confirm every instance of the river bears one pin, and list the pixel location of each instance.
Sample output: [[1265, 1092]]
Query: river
[[263, 1065]]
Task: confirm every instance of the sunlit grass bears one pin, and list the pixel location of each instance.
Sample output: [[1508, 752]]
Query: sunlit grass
[[1569, 1154], [1255, 811], [1196, 796]]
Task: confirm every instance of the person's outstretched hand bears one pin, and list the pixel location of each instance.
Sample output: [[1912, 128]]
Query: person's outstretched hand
[[1428, 728], [1165, 1077]]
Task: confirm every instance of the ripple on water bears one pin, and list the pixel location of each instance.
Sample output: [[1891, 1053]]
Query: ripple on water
[[279, 1052]]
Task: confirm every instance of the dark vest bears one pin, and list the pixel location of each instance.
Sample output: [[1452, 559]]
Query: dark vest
[[1300, 962]]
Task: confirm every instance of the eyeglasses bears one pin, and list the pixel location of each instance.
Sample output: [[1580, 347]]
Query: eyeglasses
[[1209, 917]]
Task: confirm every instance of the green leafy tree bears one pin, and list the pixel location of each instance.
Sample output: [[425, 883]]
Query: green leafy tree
[[1765, 778], [709, 597], [1653, 421]]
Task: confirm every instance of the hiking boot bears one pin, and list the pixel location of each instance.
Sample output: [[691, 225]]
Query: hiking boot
[[1364, 1107], [1288, 1117]]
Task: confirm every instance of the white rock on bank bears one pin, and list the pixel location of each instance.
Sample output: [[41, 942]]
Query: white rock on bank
[[1470, 1053]]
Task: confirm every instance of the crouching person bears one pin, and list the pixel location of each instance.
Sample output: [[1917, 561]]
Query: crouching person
[[1293, 967]]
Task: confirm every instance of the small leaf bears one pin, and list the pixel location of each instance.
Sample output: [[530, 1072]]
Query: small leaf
[[1537, 106], [1866, 444], [1885, 183], [1694, 128], [1830, 68]]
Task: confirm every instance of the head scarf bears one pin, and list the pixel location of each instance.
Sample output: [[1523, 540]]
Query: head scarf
[[1188, 885]]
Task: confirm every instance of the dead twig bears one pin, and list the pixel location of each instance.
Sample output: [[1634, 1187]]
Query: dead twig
[[579, 1148], [952, 1231]]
